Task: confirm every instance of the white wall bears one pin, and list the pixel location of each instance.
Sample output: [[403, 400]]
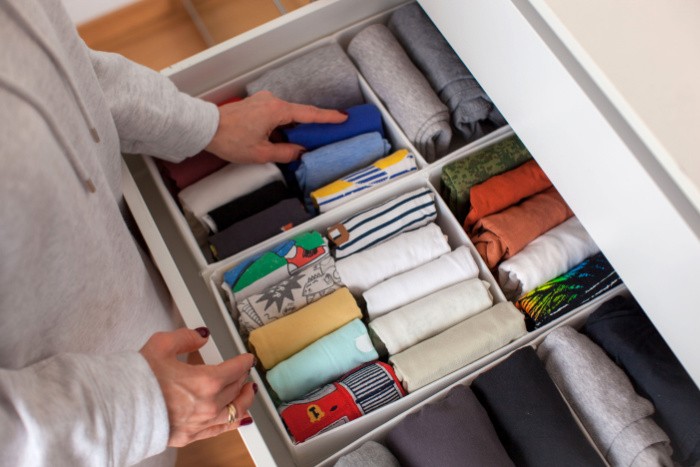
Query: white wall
[[85, 10]]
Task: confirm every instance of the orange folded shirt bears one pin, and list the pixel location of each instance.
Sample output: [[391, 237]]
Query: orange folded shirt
[[504, 190], [501, 235]]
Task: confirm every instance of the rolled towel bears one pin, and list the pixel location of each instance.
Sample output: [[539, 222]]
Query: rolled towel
[[324, 77], [618, 420], [454, 431], [502, 235], [458, 346], [383, 171], [370, 453], [322, 362], [469, 105], [405, 91], [192, 169], [282, 338], [546, 257], [384, 222], [365, 118], [290, 295], [404, 288], [530, 416], [363, 270], [430, 315]]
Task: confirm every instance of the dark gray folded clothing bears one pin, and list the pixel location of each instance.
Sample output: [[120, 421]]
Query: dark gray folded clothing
[[530, 416], [627, 335], [616, 417], [454, 431], [324, 77], [405, 91], [369, 454], [449, 77], [247, 205], [258, 227]]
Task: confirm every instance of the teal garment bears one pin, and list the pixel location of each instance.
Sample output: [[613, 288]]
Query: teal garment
[[324, 361]]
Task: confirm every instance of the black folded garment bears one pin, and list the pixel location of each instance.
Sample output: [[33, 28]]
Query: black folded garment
[[248, 205]]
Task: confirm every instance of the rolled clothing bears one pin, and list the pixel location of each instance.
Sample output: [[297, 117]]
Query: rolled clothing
[[627, 335], [402, 289], [226, 184], [361, 391], [530, 416], [502, 191], [458, 346], [324, 77], [280, 339], [290, 295], [383, 171], [370, 453], [502, 235], [322, 362], [430, 315], [448, 76], [553, 253], [364, 118], [616, 417], [192, 169], [363, 270], [454, 431], [378, 224], [553, 299], [459, 176], [403, 88]]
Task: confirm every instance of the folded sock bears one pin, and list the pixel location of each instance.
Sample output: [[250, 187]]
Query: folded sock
[[430, 315], [370, 453], [365, 118], [322, 362], [363, 270], [280, 339], [404, 288], [324, 77], [405, 91], [616, 417], [192, 169], [383, 171], [381, 223]]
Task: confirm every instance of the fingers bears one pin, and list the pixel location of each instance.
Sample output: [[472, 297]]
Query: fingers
[[234, 368], [176, 342], [242, 402], [280, 152], [309, 114]]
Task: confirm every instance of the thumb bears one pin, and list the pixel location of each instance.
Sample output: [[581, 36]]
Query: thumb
[[281, 152], [184, 340]]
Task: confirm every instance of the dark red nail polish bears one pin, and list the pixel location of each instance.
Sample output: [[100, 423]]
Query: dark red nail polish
[[343, 112], [255, 388], [255, 361], [203, 331], [245, 421]]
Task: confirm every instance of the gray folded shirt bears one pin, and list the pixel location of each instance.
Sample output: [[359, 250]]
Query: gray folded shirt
[[369, 454]]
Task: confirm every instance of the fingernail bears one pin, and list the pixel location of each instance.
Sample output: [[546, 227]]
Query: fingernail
[[245, 421], [255, 361], [344, 112], [203, 331], [255, 388]]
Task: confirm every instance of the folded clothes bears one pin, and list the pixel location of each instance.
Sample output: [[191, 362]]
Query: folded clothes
[[459, 176], [505, 190], [502, 235], [555, 298], [364, 180], [627, 335], [365, 118], [264, 270], [324, 77], [322, 362], [616, 417], [370, 453], [532, 420], [361, 391], [546, 257], [330, 162], [426, 317], [454, 431], [404, 288], [226, 184], [301, 289], [192, 169], [380, 223], [405, 91], [363, 270], [280, 339], [458, 346], [241, 208], [452, 81]]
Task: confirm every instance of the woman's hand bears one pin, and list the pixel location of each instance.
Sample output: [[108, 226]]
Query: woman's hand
[[245, 127], [197, 396]]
